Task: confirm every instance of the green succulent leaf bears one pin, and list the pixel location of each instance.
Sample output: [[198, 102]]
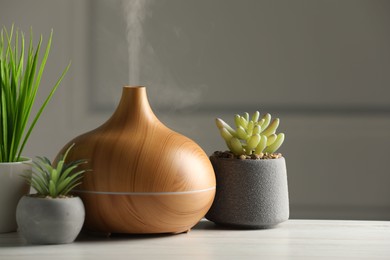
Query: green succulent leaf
[[267, 120], [70, 181], [276, 145], [243, 122], [236, 145], [261, 123], [229, 145], [271, 139], [257, 130], [225, 134], [237, 120], [52, 189], [73, 163], [66, 172], [262, 144], [246, 116], [271, 129], [222, 124], [250, 127], [39, 185], [45, 163], [54, 176], [241, 133], [38, 167], [255, 116], [70, 188], [253, 141], [59, 181]]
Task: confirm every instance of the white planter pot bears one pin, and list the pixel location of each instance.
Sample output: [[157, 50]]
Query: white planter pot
[[12, 188]]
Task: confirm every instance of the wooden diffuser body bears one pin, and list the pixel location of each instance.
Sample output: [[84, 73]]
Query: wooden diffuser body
[[145, 177]]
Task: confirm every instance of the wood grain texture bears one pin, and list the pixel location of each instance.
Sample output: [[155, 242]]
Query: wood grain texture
[[140, 214], [134, 152]]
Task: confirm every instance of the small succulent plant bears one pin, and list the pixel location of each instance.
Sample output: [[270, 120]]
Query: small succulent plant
[[251, 136], [55, 180]]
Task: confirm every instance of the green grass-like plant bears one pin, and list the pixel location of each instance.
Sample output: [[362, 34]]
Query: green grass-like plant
[[251, 136], [55, 180], [20, 78]]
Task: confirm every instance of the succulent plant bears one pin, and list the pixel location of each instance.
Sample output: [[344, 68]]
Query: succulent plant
[[55, 181], [253, 135]]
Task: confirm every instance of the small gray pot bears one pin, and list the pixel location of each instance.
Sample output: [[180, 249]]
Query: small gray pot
[[50, 221], [250, 193]]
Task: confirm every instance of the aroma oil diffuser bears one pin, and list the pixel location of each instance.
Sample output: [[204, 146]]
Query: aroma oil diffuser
[[145, 177]]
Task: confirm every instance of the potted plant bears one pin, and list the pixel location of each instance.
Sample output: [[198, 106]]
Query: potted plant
[[20, 78], [52, 215], [251, 177]]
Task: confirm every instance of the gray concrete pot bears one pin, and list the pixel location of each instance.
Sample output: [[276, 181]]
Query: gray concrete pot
[[50, 221], [250, 193]]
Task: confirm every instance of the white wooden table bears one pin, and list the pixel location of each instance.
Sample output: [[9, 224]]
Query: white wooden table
[[294, 239]]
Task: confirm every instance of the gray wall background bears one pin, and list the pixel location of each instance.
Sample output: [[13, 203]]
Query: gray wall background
[[322, 67]]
